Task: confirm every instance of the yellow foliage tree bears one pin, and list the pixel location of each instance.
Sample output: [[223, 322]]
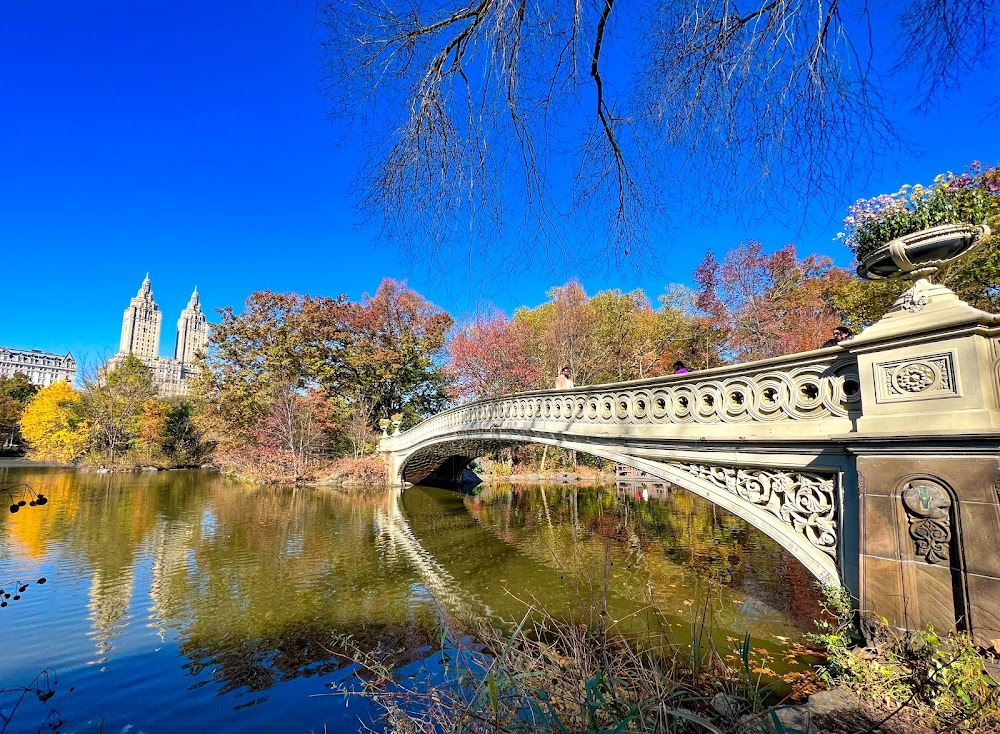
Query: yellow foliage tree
[[52, 424], [153, 427]]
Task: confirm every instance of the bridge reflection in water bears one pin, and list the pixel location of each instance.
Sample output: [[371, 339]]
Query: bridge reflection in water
[[553, 543]]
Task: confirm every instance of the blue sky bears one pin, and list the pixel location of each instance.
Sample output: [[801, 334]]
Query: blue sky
[[189, 140]]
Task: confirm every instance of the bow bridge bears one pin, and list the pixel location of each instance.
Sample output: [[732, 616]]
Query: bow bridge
[[876, 463]]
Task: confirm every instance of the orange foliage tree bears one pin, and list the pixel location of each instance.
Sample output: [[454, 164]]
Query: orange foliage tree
[[396, 341], [767, 305], [294, 379]]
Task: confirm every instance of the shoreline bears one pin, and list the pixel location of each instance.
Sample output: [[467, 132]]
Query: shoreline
[[548, 478], [20, 462]]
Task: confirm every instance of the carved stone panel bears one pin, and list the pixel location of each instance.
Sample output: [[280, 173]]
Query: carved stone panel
[[928, 509], [916, 378]]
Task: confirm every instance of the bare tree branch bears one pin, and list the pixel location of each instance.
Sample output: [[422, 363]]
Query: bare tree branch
[[493, 127]]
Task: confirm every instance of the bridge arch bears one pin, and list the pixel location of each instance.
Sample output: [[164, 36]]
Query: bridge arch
[[797, 506]]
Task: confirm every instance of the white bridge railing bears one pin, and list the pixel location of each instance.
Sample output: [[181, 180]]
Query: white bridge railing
[[818, 385]]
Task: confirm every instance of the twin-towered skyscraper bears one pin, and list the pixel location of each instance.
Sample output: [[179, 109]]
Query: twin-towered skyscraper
[[141, 337]]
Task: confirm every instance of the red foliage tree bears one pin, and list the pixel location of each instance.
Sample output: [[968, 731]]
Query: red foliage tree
[[297, 430], [395, 338], [489, 357], [768, 304]]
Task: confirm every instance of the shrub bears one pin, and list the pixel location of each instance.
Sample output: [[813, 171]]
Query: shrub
[[369, 470], [944, 677]]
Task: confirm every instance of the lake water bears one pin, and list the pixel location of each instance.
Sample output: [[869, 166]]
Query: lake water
[[183, 601]]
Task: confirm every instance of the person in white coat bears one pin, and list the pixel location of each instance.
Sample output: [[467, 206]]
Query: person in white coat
[[563, 381]]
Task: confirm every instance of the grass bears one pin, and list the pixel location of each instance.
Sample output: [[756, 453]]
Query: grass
[[543, 673], [546, 675]]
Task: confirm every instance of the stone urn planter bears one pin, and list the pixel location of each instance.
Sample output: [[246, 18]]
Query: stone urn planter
[[922, 253]]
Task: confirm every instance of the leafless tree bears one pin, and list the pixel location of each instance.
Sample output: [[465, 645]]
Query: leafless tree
[[358, 426], [474, 108], [299, 424]]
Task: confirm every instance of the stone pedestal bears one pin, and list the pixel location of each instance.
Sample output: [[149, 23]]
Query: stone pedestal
[[928, 367], [930, 541]]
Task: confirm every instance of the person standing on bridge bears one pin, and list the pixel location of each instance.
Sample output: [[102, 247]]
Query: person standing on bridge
[[563, 381], [839, 334]]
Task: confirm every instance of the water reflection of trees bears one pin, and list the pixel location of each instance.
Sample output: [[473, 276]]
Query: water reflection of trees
[[686, 529], [673, 545], [256, 583], [280, 575]]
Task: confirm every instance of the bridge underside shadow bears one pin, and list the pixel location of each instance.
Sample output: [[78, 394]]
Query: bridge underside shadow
[[446, 464], [797, 501]]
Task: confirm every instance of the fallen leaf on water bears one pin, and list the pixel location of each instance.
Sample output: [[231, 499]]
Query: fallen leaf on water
[[503, 581], [467, 572]]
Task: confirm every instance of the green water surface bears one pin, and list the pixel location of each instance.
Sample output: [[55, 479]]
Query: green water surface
[[183, 601]]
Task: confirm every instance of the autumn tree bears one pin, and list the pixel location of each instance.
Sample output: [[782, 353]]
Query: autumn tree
[[766, 305], [393, 356], [259, 362], [285, 375], [183, 442], [489, 357], [298, 428], [694, 337], [359, 425], [113, 405], [16, 391], [860, 303], [152, 431], [561, 333], [614, 336], [278, 339], [632, 340], [54, 425]]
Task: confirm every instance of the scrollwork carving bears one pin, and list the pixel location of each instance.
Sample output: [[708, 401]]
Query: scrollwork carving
[[806, 501], [801, 390], [928, 509]]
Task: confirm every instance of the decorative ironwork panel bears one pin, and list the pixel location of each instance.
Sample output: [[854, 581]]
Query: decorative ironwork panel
[[806, 501]]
